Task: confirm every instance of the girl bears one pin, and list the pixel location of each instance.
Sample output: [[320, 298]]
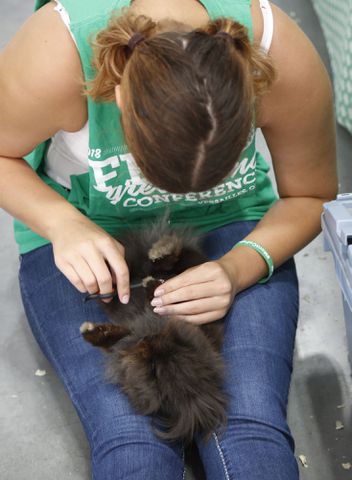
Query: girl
[[162, 113]]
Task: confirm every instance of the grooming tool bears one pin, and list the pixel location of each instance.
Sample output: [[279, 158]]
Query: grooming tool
[[93, 296]]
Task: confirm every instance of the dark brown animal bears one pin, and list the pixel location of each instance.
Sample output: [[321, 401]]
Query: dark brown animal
[[170, 369]]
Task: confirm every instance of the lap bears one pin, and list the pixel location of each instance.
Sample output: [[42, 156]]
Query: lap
[[258, 345]]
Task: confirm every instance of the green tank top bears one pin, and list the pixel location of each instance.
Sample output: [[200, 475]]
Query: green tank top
[[114, 193]]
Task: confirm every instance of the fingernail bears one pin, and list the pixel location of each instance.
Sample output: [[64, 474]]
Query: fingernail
[[159, 310], [158, 292], [125, 299], [156, 302]]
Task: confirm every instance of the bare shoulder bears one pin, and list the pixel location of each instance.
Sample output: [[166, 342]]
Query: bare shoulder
[[41, 77], [301, 74], [297, 115]]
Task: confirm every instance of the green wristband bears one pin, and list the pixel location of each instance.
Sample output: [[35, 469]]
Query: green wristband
[[261, 250]]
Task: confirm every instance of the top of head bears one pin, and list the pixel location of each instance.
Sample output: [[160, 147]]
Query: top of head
[[187, 96]]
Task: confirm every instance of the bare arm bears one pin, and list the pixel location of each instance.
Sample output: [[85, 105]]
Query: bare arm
[[41, 93], [297, 120]]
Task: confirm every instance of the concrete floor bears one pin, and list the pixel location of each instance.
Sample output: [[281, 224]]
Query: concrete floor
[[40, 434]]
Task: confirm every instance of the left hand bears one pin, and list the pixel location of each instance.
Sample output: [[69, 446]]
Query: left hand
[[201, 294]]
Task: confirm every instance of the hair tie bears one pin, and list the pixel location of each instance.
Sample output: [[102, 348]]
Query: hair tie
[[135, 40], [223, 34]]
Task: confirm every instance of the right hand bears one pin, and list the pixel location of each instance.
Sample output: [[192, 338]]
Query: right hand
[[90, 258]]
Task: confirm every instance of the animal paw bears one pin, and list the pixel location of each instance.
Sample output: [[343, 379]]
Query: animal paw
[[103, 335], [151, 284], [86, 327], [167, 245]]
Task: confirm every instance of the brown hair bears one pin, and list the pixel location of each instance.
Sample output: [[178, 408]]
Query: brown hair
[[188, 98]]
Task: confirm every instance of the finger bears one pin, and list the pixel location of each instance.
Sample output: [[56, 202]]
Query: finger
[[85, 273], [202, 318], [72, 276], [195, 307], [184, 294], [101, 273], [113, 275], [199, 274], [119, 269]]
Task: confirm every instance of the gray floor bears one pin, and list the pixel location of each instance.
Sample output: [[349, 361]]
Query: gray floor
[[40, 434]]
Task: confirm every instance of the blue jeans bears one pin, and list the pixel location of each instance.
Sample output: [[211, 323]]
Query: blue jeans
[[258, 349]]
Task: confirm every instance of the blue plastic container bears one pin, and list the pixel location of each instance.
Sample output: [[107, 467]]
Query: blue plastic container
[[337, 230]]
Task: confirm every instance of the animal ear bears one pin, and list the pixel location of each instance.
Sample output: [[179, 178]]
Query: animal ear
[[103, 335]]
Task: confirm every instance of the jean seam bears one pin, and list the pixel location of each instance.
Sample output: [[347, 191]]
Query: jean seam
[[184, 463], [68, 385], [49, 277], [222, 456]]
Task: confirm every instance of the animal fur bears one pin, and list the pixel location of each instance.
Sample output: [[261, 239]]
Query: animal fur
[[170, 369]]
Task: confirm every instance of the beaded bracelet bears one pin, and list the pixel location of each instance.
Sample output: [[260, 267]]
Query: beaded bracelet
[[261, 250]]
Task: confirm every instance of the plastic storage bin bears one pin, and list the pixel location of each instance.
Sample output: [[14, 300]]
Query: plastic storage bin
[[337, 231]]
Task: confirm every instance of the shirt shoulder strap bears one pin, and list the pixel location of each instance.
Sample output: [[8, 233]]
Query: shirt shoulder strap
[[268, 29]]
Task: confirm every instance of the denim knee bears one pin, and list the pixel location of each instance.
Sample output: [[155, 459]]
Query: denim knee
[[127, 450], [249, 450]]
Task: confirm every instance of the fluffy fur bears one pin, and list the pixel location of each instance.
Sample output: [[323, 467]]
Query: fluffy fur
[[168, 368]]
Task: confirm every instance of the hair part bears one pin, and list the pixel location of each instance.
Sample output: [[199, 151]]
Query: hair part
[[188, 97]]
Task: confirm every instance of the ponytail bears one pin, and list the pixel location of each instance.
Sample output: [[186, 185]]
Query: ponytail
[[112, 49], [259, 63]]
